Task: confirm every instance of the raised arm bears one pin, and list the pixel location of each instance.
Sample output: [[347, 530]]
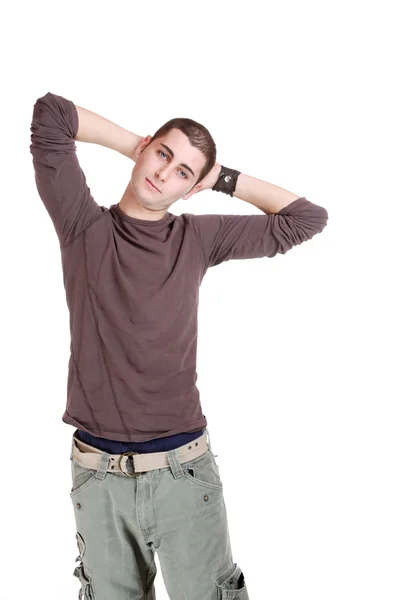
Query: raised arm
[[266, 196], [289, 220], [96, 129], [60, 181]]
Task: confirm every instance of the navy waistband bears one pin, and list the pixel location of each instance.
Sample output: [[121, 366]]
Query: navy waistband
[[157, 445]]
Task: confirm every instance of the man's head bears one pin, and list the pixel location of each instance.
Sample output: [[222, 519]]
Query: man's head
[[175, 159]]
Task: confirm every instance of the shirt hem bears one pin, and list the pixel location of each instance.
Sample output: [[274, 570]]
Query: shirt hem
[[136, 437]]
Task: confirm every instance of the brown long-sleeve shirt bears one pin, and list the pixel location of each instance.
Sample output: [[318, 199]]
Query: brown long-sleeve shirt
[[132, 288]]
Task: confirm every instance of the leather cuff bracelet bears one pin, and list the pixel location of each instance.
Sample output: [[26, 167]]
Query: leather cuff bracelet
[[226, 181]]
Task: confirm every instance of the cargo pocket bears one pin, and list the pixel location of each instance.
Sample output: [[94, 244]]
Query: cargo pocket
[[231, 586], [86, 591], [83, 573]]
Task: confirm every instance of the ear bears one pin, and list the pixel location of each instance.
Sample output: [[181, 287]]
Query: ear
[[194, 190], [143, 143]]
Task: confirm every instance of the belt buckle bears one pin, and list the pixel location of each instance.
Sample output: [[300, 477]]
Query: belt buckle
[[134, 474]]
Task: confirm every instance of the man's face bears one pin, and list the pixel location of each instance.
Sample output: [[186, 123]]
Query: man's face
[[172, 164]]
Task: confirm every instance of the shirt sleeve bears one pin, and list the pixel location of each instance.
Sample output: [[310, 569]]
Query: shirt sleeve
[[59, 178], [227, 237]]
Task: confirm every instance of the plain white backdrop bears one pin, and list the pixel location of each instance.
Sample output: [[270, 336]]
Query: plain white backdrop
[[298, 354]]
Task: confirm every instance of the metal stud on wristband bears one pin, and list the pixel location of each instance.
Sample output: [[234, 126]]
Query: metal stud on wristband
[[226, 181]]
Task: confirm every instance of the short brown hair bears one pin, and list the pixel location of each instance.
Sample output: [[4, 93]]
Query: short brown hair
[[199, 137]]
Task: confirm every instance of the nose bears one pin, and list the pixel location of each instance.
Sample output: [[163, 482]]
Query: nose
[[163, 173]]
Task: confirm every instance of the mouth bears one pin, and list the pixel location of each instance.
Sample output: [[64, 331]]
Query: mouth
[[152, 184]]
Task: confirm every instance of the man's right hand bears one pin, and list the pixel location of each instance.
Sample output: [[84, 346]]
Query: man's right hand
[[137, 147]]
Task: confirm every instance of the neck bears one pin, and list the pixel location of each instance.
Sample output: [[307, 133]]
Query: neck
[[131, 207]]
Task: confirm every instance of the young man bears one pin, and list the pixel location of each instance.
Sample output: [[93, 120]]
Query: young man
[[144, 478]]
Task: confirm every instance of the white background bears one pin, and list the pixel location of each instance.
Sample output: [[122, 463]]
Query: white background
[[297, 355]]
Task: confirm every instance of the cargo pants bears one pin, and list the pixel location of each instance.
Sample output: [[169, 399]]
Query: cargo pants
[[177, 512]]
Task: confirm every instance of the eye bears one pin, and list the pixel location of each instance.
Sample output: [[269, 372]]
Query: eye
[[184, 174]]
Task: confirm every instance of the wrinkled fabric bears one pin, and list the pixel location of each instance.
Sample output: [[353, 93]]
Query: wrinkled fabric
[[132, 288], [177, 512]]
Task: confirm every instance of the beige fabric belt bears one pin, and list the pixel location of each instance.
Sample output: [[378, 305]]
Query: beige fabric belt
[[89, 457]]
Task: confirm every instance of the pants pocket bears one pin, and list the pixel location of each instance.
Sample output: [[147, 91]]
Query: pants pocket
[[83, 573], [81, 476], [203, 471], [232, 586], [86, 591]]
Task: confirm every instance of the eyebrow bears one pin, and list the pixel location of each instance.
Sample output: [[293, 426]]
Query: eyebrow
[[181, 164]]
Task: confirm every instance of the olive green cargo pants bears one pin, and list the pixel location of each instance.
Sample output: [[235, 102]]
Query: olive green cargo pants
[[178, 512]]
